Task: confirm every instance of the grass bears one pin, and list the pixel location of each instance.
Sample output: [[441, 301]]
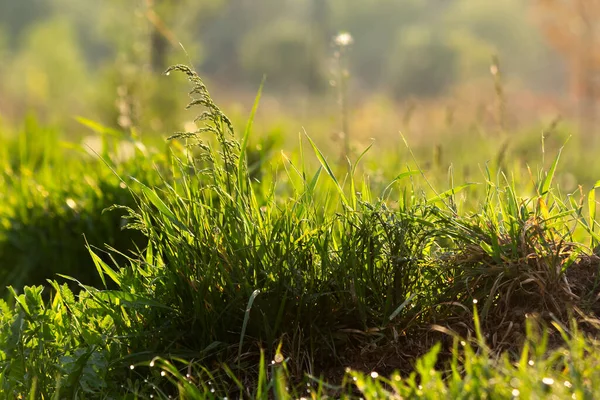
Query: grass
[[54, 201], [305, 282]]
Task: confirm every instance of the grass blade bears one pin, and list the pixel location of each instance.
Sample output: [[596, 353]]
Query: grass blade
[[245, 323], [449, 193], [547, 182], [592, 205], [402, 306], [244, 144], [327, 168]]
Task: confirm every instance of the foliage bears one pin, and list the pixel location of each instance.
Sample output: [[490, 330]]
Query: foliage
[[282, 41], [416, 52]]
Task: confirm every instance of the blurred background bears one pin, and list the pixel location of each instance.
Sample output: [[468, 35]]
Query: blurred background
[[437, 70], [61, 58]]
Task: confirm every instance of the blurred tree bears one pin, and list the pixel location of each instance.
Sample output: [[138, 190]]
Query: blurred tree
[[172, 21], [221, 37], [505, 28], [160, 13], [5, 103], [421, 63], [373, 24], [281, 51], [18, 15], [125, 43], [43, 73], [572, 27], [320, 15]]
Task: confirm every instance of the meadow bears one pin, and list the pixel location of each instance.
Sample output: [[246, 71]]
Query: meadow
[[215, 264]]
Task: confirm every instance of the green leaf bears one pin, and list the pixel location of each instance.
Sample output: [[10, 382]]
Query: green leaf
[[74, 377], [33, 297], [20, 299]]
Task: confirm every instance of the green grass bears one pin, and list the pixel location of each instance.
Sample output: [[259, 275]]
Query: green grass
[[55, 199], [286, 278]]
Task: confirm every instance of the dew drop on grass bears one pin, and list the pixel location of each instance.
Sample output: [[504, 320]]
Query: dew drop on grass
[[163, 373], [151, 364], [474, 301], [168, 73], [131, 366], [374, 375], [515, 392], [71, 203], [531, 362], [548, 381], [568, 384]]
